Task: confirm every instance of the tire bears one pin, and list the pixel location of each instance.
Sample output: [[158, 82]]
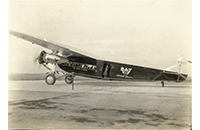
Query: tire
[[69, 79], [50, 79]]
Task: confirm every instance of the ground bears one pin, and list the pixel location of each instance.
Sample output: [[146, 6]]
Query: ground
[[99, 104]]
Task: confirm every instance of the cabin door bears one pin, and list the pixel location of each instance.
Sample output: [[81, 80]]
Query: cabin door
[[103, 69], [106, 70]]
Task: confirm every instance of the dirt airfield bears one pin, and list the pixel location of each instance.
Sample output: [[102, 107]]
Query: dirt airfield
[[97, 104]]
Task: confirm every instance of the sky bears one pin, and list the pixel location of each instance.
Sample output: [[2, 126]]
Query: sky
[[152, 33]]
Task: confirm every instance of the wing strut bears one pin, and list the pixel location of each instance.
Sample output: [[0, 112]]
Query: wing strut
[[162, 73]]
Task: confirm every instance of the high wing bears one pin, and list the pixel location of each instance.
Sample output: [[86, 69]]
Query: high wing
[[58, 48]]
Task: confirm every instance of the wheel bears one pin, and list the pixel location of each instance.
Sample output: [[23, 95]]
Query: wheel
[[69, 79], [50, 79]]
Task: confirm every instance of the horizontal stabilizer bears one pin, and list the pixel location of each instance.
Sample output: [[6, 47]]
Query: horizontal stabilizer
[[179, 67]]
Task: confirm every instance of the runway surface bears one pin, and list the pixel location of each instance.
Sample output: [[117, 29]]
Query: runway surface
[[99, 104]]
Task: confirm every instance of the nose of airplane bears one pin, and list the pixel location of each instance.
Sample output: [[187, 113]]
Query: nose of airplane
[[41, 57]]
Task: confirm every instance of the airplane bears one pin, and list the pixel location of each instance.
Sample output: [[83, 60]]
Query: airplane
[[69, 63]]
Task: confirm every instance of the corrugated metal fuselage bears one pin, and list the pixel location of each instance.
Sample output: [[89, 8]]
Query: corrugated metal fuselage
[[89, 67]]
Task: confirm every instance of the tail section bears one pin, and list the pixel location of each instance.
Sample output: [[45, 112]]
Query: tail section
[[179, 67]]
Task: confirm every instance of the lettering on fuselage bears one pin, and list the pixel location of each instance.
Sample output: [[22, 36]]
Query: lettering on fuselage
[[81, 66]]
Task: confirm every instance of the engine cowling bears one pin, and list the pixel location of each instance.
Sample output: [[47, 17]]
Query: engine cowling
[[45, 57], [41, 57]]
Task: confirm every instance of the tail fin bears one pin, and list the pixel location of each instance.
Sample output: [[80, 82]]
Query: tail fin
[[179, 67]]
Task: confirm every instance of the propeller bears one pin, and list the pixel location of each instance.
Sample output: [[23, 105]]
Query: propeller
[[37, 61]]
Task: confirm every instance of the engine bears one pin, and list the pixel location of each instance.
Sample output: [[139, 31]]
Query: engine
[[45, 57]]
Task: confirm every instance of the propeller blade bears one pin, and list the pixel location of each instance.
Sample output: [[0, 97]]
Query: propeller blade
[[35, 61]]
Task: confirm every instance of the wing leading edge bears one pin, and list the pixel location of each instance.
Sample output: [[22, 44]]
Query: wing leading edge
[[49, 45]]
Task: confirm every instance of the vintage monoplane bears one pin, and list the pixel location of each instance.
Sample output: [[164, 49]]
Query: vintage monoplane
[[69, 63]]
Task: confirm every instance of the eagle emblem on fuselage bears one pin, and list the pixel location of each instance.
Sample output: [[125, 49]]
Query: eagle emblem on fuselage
[[125, 71]]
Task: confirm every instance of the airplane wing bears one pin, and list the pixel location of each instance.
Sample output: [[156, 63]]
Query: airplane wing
[[65, 51]]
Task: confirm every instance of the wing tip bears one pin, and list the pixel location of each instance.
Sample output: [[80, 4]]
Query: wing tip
[[12, 32]]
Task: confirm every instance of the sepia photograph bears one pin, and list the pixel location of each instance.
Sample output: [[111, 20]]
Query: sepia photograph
[[100, 64]]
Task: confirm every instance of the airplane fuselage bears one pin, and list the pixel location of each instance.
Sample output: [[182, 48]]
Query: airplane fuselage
[[100, 69]]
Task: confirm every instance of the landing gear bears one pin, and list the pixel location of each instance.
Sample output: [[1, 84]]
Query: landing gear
[[163, 84], [50, 79], [69, 79], [50, 61]]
